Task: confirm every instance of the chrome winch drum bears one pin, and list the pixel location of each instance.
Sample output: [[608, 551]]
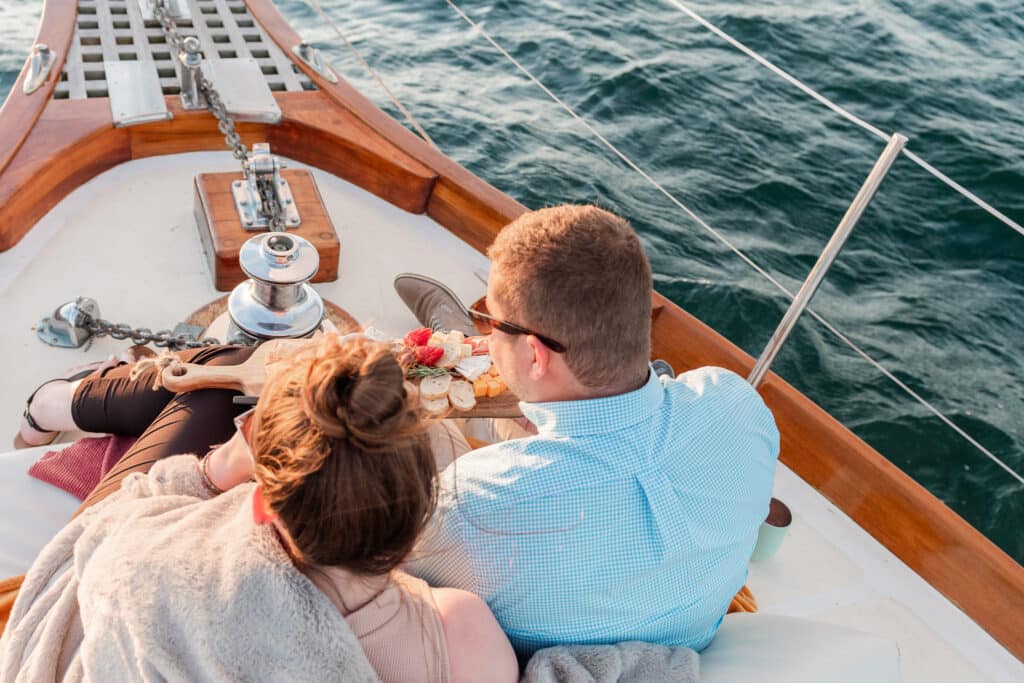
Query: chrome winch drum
[[276, 301]]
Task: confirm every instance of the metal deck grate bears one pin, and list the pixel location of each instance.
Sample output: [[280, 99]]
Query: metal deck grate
[[114, 30]]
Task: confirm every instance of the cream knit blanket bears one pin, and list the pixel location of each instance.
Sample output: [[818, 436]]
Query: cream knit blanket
[[158, 583]]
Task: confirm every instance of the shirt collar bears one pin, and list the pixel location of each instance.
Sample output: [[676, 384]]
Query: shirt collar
[[596, 415]]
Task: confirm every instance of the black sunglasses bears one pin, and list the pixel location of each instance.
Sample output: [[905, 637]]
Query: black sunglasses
[[485, 324]]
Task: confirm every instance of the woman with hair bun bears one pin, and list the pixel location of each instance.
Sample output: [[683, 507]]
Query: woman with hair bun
[[273, 557]]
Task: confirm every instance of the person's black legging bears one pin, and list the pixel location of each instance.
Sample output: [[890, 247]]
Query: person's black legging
[[166, 423]]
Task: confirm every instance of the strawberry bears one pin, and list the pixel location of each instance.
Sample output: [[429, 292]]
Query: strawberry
[[428, 355], [418, 337]]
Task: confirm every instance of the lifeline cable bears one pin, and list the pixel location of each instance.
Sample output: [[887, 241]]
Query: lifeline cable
[[736, 250], [315, 6]]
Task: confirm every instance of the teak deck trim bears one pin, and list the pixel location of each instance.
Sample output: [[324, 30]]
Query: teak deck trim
[[20, 111], [56, 145]]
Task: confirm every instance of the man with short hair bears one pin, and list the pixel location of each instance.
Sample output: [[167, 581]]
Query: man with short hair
[[632, 512]]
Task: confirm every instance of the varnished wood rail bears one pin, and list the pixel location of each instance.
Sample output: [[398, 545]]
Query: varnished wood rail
[[20, 111]]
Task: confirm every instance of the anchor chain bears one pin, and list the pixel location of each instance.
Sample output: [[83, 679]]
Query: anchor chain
[[143, 335], [269, 198], [225, 122], [167, 24]]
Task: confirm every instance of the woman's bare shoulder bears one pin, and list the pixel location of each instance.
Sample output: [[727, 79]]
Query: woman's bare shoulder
[[476, 643]]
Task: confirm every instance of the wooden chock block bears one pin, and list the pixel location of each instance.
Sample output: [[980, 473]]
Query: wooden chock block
[[222, 233]]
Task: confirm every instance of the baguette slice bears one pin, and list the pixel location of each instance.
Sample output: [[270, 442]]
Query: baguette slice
[[435, 387], [435, 406], [460, 393]]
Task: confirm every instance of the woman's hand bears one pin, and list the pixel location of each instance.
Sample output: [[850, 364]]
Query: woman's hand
[[231, 463]]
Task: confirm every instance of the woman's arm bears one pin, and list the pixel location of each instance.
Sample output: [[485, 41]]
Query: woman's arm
[[231, 463], [477, 647]]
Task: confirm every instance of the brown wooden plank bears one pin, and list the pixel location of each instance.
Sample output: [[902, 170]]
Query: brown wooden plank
[[223, 235], [188, 131], [20, 111], [72, 142], [331, 138]]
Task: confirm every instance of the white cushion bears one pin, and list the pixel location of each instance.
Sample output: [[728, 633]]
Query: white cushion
[[31, 512], [766, 647]]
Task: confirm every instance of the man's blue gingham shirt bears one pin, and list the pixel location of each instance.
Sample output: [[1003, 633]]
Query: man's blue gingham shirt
[[630, 517]]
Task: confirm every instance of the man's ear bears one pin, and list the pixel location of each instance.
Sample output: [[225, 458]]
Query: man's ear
[[541, 357]]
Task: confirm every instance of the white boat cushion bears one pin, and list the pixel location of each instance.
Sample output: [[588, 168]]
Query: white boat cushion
[[31, 512], [767, 647]]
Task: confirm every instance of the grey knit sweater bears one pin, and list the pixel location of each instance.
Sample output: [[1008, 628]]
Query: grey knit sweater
[[158, 582]]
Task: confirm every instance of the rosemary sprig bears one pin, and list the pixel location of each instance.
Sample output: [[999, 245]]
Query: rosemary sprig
[[420, 371]]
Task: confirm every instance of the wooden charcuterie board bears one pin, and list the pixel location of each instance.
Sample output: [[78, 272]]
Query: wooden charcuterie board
[[249, 377], [505, 404]]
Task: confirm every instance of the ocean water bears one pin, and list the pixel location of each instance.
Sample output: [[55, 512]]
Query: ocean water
[[928, 284]]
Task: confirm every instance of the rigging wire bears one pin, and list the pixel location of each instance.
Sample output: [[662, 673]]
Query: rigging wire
[[315, 6], [852, 118], [732, 247]]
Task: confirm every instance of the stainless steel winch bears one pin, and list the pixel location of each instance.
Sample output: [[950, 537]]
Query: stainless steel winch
[[274, 303], [277, 300]]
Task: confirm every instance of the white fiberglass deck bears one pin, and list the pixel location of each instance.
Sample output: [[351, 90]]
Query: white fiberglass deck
[[128, 239]]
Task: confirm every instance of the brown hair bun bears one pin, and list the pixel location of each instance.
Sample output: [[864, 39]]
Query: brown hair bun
[[343, 457], [363, 402]]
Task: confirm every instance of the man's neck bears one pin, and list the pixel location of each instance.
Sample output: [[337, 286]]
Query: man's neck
[[575, 391]]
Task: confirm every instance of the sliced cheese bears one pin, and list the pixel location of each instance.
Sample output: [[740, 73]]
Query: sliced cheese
[[451, 356], [473, 367]]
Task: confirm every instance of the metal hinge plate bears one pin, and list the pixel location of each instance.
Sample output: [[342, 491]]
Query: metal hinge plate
[[176, 9], [247, 203], [242, 89], [135, 94]]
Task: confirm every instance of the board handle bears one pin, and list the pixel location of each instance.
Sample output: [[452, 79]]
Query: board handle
[[181, 377]]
